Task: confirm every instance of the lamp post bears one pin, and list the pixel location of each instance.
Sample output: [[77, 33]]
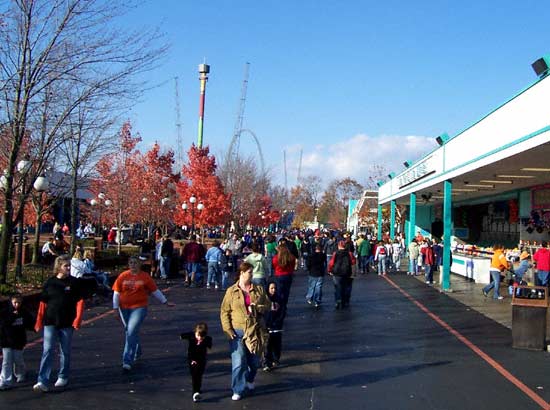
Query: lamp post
[[199, 206], [41, 184], [100, 203], [23, 168]]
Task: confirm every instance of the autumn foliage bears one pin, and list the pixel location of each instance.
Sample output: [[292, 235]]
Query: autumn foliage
[[199, 179]]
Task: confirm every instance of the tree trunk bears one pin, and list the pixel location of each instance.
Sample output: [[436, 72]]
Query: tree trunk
[[74, 187], [38, 227], [5, 240]]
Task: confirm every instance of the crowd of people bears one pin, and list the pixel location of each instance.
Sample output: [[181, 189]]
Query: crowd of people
[[255, 271]]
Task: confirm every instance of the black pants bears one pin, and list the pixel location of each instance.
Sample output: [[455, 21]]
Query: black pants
[[346, 291], [197, 370], [273, 351]]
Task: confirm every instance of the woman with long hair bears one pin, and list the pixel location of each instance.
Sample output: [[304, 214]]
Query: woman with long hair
[[284, 265], [241, 315], [59, 314]]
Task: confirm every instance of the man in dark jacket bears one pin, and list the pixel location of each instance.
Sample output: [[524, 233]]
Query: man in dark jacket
[[166, 251], [316, 265], [341, 268]]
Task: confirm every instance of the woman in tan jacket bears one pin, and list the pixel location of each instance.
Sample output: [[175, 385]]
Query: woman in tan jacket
[[241, 315]]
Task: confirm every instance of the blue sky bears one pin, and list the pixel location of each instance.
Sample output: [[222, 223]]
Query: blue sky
[[350, 83]]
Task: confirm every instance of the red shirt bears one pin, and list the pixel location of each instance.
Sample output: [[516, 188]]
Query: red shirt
[[282, 270], [542, 259], [193, 252]]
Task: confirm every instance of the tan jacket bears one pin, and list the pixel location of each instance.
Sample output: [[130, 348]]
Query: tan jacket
[[233, 315]]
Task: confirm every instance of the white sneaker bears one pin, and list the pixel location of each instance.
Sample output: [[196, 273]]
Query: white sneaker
[[196, 396], [21, 379], [126, 367], [40, 388], [250, 386], [61, 382], [236, 397], [500, 297]]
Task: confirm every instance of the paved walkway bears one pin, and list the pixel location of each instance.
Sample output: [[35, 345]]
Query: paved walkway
[[401, 345], [470, 294]]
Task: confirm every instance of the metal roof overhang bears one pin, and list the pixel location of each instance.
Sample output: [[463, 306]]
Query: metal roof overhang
[[534, 153]]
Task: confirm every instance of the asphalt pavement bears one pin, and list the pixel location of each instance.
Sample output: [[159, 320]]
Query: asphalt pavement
[[400, 345]]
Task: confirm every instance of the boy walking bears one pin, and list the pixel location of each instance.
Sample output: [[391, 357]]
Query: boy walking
[[199, 341]]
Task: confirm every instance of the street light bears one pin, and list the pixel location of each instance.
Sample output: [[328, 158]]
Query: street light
[[100, 203], [185, 207], [40, 184]]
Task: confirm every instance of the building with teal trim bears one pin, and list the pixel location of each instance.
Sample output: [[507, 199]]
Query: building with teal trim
[[488, 184]]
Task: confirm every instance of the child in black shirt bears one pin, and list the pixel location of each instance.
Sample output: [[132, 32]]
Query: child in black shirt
[[199, 341], [14, 322], [274, 322]]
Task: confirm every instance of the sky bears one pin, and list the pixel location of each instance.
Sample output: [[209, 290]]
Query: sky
[[349, 84]]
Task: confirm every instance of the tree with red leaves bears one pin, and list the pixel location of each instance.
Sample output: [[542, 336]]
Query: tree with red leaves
[[117, 180], [199, 179], [157, 190]]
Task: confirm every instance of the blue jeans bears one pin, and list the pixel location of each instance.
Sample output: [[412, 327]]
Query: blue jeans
[[165, 266], [132, 319], [494, 284], [244, 365], [12, 363], [270, 269], [227, 279], [213, 274], [364, 265], [413, 266], [53, 336], [339, 285], [542, 278], [428, 272], [194, 270], [396, 262], [382, 264], [315, 289], [283, 286]]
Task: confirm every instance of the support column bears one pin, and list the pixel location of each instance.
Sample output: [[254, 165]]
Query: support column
[[447, 208], [379, 235], [392, 220], [412, 218]]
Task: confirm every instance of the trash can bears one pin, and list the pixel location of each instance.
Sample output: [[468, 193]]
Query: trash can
[[529, 315]]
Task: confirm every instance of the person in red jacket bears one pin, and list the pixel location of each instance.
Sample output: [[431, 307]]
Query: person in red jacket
[[429, 261], [340, 268], [541, 258], [192, 254], [284, 265]]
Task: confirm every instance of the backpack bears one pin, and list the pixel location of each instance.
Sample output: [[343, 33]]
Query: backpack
[[342, 264]]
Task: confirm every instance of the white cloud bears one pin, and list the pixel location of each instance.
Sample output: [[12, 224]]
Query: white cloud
[[355, 156]]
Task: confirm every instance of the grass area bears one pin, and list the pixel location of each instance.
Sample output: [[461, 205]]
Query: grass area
[[33, 276]]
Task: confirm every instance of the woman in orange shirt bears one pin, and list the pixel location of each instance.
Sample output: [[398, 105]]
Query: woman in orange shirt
[[498, 264], [131, 297]]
